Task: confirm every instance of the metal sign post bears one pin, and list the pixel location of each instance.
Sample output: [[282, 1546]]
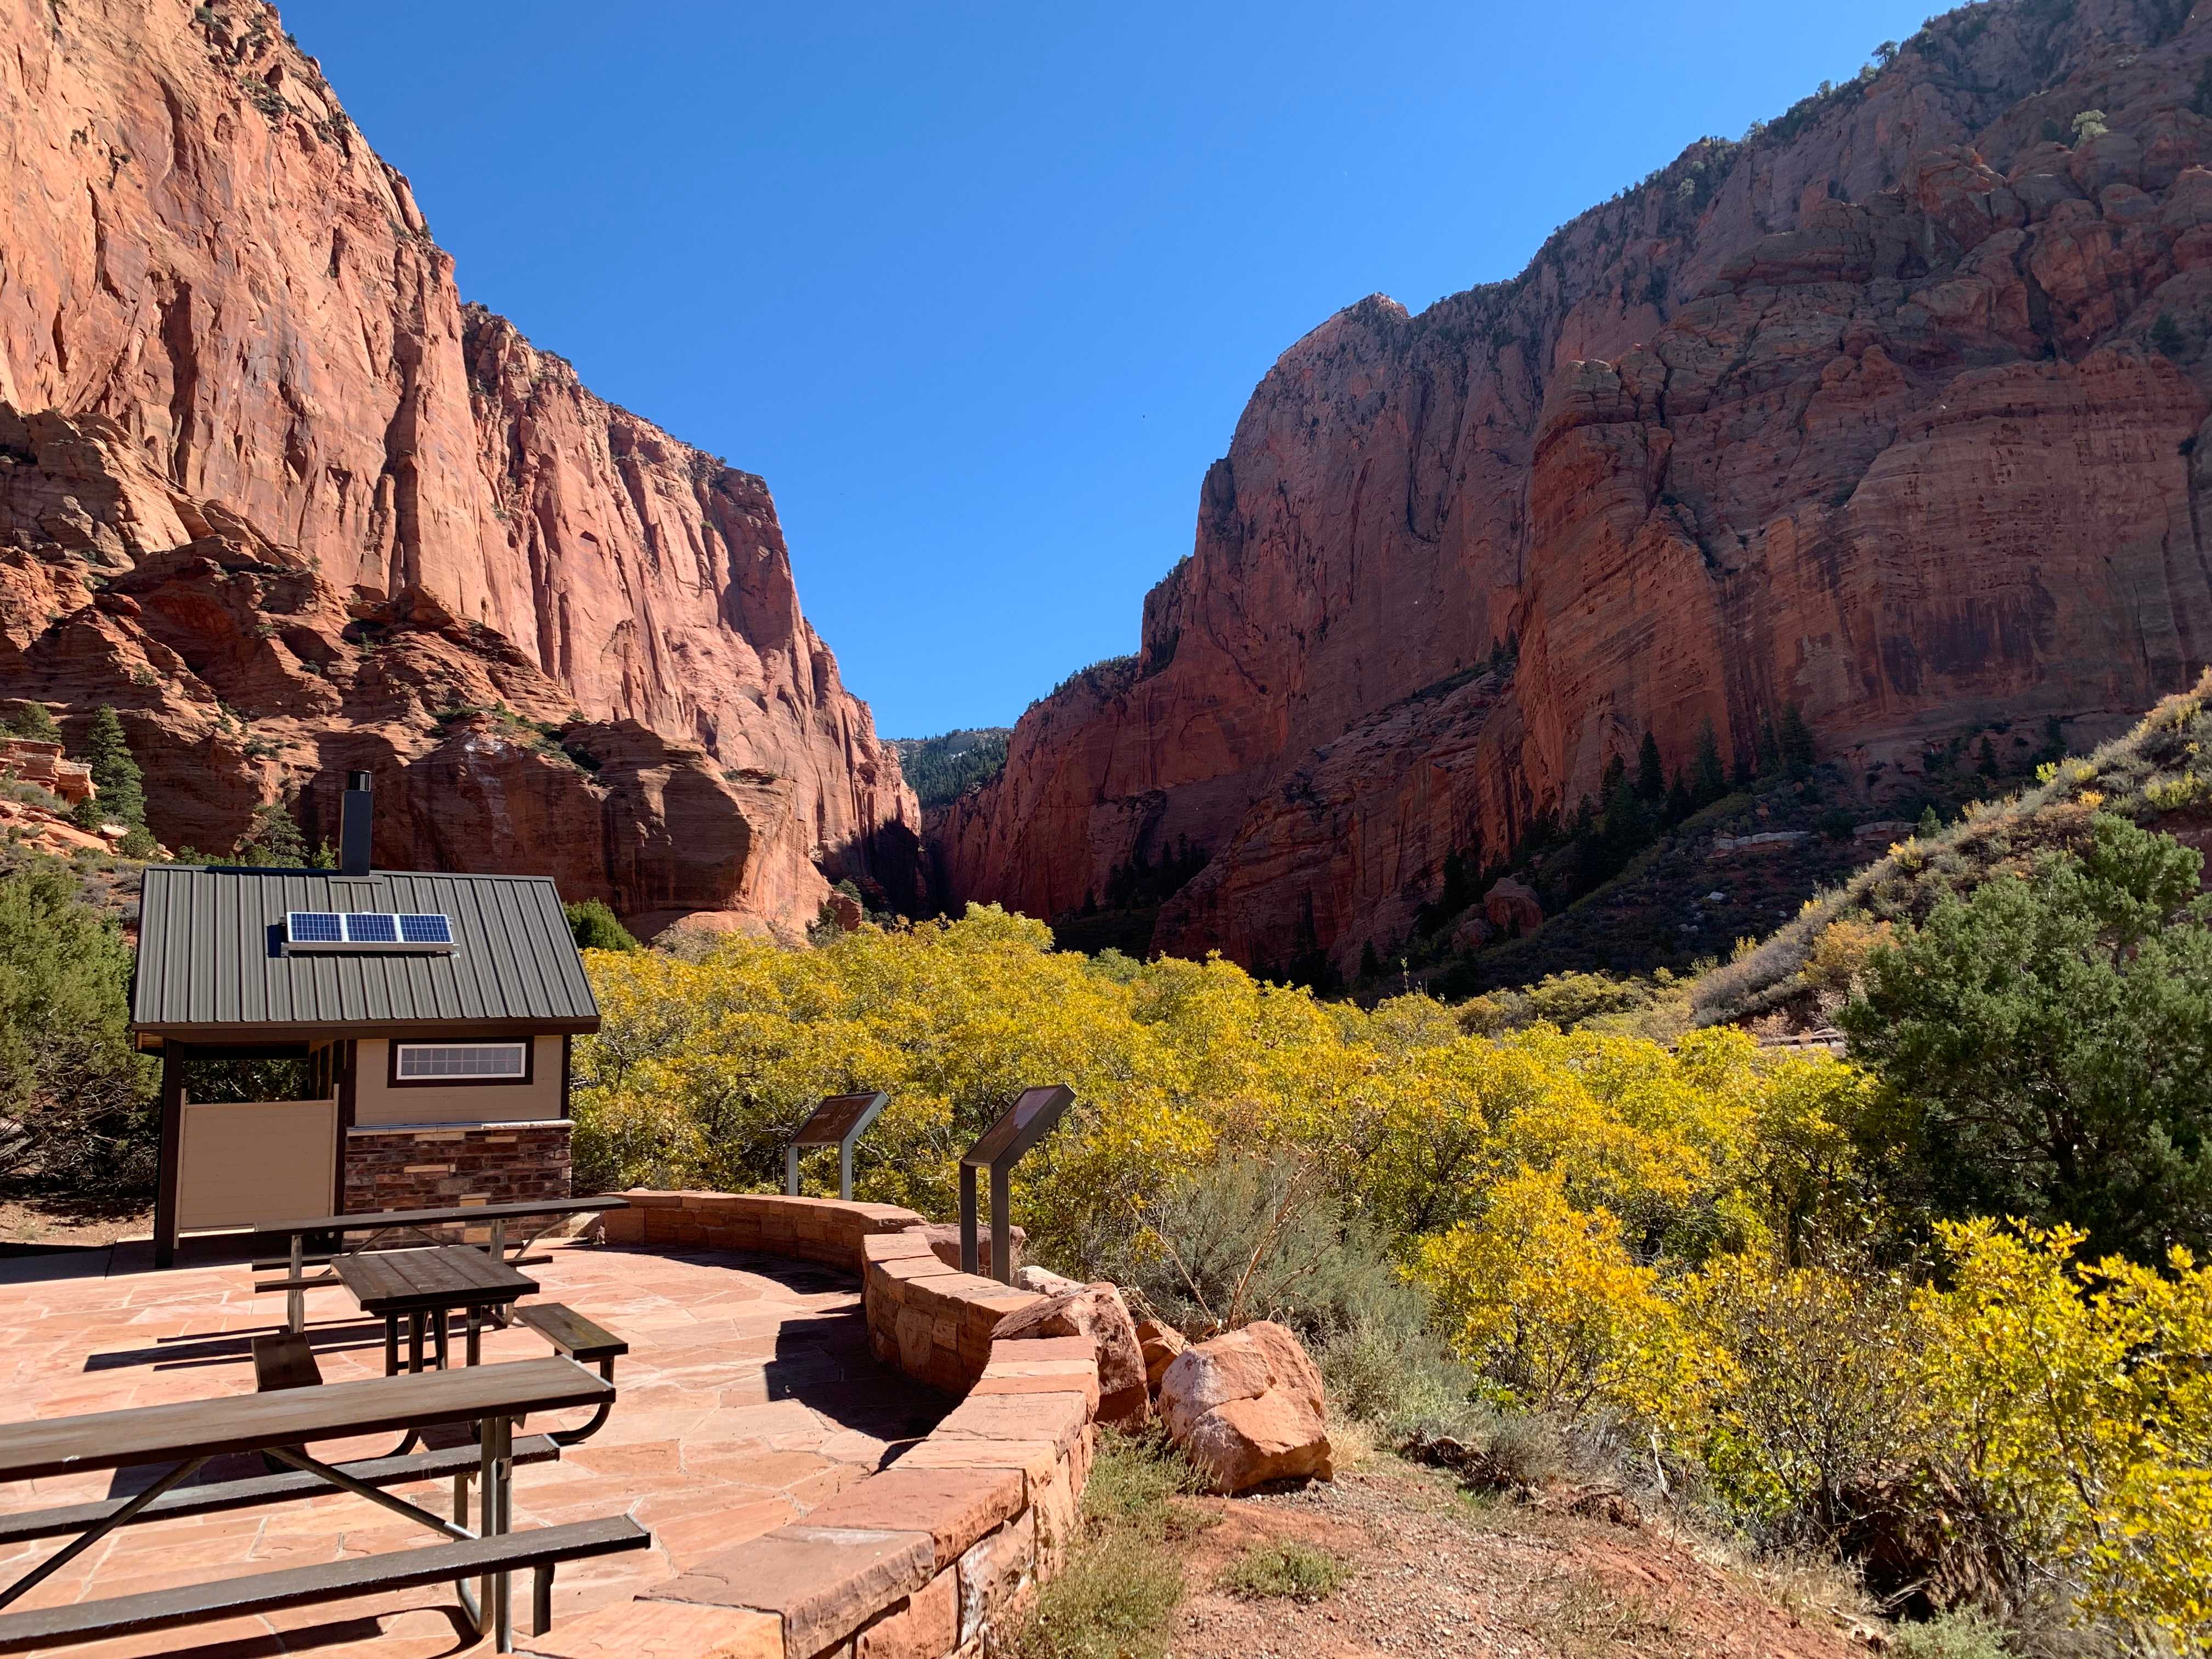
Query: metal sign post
[[1027, 1121], [837, 1122]]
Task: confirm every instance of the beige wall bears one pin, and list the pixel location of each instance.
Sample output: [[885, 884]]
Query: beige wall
[[375, 1101], [240, 1164]]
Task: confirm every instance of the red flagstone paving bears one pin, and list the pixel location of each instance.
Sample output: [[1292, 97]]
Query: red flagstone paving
[[748, 1398]]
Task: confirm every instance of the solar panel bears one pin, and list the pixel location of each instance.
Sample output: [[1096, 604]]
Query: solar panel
[[377, 930], [425, 930]]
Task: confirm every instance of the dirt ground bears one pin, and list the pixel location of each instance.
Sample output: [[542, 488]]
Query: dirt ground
[[29, 1221], [1437, 1573]]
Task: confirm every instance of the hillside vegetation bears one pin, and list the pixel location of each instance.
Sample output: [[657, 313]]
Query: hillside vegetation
[[1706, 1264], [2158, 775], [945, 768]]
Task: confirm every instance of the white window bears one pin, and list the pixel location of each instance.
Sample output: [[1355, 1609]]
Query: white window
[[461, 1062]]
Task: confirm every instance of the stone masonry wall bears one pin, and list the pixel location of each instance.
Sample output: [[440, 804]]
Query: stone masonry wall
[[422, 1169], [937, 1557]]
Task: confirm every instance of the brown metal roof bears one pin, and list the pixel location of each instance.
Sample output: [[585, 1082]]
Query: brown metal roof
[[212, 968]]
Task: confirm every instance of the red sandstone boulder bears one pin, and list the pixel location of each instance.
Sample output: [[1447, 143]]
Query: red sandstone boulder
[[1098, 1312], [1513, 907], [1160, 1344], [1248, 1407]]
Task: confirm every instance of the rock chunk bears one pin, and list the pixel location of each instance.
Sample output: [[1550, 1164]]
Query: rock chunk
[[1160, 1345], [1248, 1407], [1098, 1312]]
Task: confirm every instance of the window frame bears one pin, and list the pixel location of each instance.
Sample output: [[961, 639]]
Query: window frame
[[393, 1080]]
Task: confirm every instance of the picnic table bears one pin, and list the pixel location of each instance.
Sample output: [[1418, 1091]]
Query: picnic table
[[279, 1424], [377, 1225], [425, 1285]]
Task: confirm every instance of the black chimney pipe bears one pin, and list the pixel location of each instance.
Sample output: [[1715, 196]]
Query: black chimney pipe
[[354, 825]]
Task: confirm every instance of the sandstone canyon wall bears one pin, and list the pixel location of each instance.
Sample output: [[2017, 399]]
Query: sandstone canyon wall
[[268, 487], [1895, 411]]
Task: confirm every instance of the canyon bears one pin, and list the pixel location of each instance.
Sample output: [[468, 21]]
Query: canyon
[[1893, 412], [272, 490]]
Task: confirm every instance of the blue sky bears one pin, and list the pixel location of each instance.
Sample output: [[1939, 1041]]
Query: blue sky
[[981, 290]]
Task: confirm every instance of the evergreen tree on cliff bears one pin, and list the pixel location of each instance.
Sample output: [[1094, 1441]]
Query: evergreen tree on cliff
[[121, 785], [1650, 772], [1709, 778], [33, 721]]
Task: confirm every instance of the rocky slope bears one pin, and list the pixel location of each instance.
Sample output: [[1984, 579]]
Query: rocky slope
[[269, 488], [1892, 411]]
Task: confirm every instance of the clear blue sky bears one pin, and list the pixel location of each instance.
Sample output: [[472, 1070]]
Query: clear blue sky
[[981, 290]]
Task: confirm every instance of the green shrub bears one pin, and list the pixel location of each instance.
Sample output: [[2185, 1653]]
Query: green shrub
[[1123, 1581], [76, 1099], [1113, 1601], [596, 927], [1950, 1636], [2043, 1042], [1245, 1238], [1290, 1572]]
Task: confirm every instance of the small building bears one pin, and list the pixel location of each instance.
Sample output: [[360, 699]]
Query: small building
[[432, 1016]]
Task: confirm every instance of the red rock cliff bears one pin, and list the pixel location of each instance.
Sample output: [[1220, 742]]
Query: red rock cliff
[[275, 493], [1895, 411]]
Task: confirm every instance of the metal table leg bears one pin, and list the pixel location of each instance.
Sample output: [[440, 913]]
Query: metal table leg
[[441, 1316], [391, 1345], [415, 1342], [475, 1334], [496, 1618]]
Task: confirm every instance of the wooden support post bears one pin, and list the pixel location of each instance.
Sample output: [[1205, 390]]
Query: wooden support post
[[173, 1135]]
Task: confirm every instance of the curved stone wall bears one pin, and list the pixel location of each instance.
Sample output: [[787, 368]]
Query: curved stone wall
[[926, 1560]]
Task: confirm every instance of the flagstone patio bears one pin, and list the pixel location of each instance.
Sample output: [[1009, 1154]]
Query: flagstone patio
[[748, 1397]]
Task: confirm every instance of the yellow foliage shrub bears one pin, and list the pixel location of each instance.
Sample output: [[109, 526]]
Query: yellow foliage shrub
[[1545, 1296], [2080, 1397], [703, 1065]]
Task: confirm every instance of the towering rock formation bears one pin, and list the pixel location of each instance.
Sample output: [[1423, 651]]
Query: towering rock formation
[[268, 487], [1894, 411]]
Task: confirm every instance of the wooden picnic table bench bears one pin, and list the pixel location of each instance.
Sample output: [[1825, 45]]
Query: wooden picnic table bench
[[188, 1435], [378, 1223]]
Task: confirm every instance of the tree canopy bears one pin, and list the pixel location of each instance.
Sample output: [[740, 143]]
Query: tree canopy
[[2044, 1044]]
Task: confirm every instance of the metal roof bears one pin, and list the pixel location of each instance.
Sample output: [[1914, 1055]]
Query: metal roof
[[212, 966]]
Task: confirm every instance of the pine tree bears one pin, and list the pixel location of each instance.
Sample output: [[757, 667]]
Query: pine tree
[[32, 721], [1370, 965], [1708, 782], [115, 775], [1650, 771], [272, 838], [1770, 747], [1930, 824], [1681, 802], [1797, 740], [1989, 761]]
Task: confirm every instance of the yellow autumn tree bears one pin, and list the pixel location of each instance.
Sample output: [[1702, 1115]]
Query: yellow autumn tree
[[2079, 1396]]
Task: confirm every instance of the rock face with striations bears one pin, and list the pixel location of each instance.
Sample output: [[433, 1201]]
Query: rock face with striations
[[1895, 411], [271, 489]]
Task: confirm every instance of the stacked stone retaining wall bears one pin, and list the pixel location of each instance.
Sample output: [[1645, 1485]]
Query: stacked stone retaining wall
[[932, 1558]]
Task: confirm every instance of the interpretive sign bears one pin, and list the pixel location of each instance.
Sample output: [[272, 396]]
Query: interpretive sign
[[1027, 1121], [837, 1122]]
